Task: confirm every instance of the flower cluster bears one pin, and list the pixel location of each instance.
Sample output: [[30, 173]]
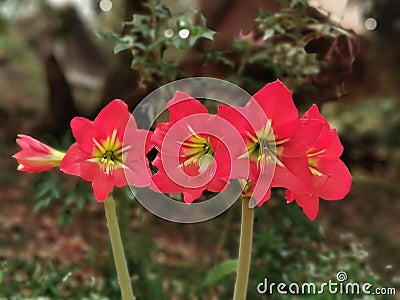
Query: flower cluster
[[265, 144], [305, 152]]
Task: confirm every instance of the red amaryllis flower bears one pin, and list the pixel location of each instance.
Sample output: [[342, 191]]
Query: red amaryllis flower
[[36, 156], [102, 156], [331, 178], [192, 155], [270, 126]]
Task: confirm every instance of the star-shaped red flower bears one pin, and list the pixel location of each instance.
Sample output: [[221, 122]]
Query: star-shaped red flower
[[107, 152]]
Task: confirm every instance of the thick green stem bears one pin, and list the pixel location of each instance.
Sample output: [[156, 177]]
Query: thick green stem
[[118, 250], [246, 236]]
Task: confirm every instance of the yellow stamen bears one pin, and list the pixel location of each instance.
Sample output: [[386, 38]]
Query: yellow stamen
[[315, 172], [194, 133], [312, 154], [108, 153], [98, 145], [252, 137], [113, 137], [196, 149], [277, 143]]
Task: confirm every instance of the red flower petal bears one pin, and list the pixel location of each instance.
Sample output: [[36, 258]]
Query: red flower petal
[[191, 195], [27, 165], [84, 131], [313, 113], [182, 105], [286, 130], [302, 139], [139, 174], [74, 155], [309, 204], [31, 146], [328, 141], [295, 175], [217, 185], [289, 195], [70, 163], [236, 116], [75, 163], [161, 181], [137, 144], [336, 182], [102, 186], [159, 134], [114, 116], [277, 103], [119, 177]]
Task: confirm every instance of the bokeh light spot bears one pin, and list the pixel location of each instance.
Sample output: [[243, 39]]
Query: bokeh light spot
[[370, 24], [105, 5]]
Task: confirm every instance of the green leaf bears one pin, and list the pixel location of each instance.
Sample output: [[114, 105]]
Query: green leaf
[[46, 189], [207, 33], [216, 57], [219, 272], [120, 43], [299, 3], [140, 20], [121, 46], [162, 12], [108, 36], [268, 33], [263, 15], [42, 204], [197, 33]]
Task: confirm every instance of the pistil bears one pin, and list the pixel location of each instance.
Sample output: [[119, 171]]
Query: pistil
[[263, 147]]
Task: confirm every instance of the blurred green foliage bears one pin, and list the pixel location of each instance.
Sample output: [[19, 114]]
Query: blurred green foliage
[[54, 187], [150, 37], [288, 248], [275, 47], [370, 135], [278, 47], [38, 279], [376, 125]]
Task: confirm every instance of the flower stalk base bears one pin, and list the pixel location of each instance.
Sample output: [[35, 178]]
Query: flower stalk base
[[246, 237], [118, 250]]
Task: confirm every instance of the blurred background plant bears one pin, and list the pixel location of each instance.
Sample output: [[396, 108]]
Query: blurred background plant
[[57, 61]]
